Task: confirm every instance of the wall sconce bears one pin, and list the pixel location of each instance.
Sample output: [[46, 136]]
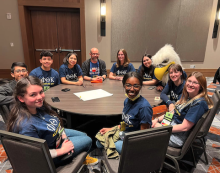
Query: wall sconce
[[102, 17], [217, 20]]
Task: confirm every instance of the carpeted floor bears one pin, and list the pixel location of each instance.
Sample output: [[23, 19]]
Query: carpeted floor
[[212, 149]]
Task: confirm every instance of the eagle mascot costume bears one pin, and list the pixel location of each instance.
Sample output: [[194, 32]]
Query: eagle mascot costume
[[162, 60]]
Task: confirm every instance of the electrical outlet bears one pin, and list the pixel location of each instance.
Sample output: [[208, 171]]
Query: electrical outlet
[[9, 16], [192, 66], [12, 44]]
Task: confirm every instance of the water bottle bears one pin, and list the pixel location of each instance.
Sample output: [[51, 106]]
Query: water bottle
[[122, 129]]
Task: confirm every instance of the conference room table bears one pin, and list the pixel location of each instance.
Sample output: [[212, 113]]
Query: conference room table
[[106, 106]]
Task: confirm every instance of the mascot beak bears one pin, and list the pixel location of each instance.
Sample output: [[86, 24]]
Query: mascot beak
[[160, 72]]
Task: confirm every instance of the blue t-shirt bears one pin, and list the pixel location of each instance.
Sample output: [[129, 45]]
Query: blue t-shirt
[[192, 111], [121, 70], [94, 70], [49, 78], [146, 75], [70, 74], [174, 91], [136, 113], [41, 126]]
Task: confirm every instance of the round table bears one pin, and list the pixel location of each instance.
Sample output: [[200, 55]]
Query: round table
[[107, 106]]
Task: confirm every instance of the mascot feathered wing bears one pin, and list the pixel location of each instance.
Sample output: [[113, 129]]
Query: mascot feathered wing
[[162, 60]]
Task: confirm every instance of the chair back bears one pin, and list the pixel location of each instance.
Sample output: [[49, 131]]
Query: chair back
[[27, 154], [208, 121], [144, 150], [4, 111], [193, 133]]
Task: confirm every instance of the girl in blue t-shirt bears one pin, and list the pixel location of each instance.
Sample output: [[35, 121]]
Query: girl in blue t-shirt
[[188, 110], [122, 66], [137, 112], [32, 116], [147, 71], [70, 72], [174, 86]]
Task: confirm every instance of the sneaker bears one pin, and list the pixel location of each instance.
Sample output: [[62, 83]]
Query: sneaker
[[90, 160]]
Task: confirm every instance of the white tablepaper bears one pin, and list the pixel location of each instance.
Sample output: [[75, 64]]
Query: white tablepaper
[[92, 94]]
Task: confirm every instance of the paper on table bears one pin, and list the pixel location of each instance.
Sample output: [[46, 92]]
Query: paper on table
[[92, 94]]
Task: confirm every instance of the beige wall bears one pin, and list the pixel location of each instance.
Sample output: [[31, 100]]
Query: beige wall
[[10, 32], [212, 56]]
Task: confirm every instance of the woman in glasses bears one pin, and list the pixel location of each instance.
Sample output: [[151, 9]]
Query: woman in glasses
[[188, 110], [147, 71], [122, 66], [70, 72], [174, 87], [137, 112]]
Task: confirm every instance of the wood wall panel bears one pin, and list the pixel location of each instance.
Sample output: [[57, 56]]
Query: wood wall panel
[[205, 72], [24, 8], [5, 74], [52, 3]]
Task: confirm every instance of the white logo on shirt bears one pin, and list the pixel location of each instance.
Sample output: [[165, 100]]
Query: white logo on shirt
[[173, 95], [47, 80], [122, 72], [147, 76], [71, 77], [52, 126], [126, 118]]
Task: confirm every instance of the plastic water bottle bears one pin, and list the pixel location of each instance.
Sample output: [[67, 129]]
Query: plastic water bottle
[[122, 129]]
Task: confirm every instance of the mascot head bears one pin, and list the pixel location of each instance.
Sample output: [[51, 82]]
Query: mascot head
[[162, 60]]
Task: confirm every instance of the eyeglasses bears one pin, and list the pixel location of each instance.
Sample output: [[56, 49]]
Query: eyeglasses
[[193, 82], [94, 54], [19, 71], [129, 86]]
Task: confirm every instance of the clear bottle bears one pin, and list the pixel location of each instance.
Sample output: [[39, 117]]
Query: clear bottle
[[122, 129]]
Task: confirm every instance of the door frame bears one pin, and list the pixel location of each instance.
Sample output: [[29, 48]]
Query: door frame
[[24, 11]]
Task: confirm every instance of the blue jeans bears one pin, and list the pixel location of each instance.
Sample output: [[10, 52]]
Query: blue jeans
[[80, 141], [118, 145]]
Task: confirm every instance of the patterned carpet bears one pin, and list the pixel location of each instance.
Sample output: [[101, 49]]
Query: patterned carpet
[[212, 149]]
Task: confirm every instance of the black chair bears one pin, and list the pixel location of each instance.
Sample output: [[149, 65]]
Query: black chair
[[28, 154], [142, 151], [176, 154], [4, 111], [207, 124]]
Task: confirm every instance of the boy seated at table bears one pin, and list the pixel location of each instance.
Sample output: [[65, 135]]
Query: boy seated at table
[[48, 75]]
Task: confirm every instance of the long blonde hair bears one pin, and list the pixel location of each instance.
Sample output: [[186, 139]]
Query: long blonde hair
[[126, 60], [202, 91]]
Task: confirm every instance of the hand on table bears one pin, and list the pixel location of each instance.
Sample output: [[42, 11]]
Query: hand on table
[[118, 78], [159, 88]]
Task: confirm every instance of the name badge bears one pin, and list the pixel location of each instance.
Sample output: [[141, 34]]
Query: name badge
[[167, 119]]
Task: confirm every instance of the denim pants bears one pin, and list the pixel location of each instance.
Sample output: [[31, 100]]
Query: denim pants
[[118, 145], [80, 141]]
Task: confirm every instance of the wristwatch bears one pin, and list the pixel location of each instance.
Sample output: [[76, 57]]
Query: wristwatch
[[103, 78]]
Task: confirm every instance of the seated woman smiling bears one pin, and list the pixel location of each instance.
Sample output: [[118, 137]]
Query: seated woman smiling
[[32, 116], [188, 110], [137, 112], [147, 71], [174, 87], [122, 66], [70, 72]]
